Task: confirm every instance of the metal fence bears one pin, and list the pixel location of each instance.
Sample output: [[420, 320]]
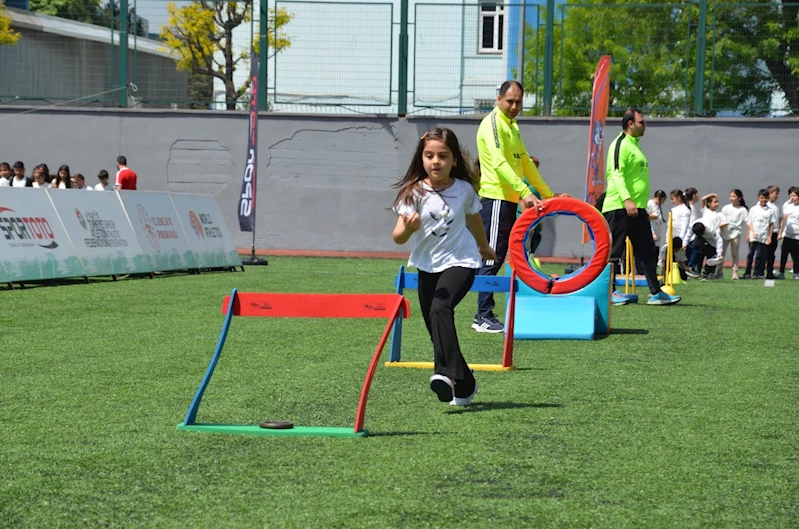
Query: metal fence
[[702, 57]]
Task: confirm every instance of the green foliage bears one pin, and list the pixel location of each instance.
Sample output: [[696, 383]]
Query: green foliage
[[80, 10], [7, 35], [752, 52], [199, 36]]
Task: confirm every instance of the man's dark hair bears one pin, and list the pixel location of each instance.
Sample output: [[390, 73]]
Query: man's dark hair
[[629, 115], [121, 160], [102, 174], [698, 228], [19, 165], [506, 86]]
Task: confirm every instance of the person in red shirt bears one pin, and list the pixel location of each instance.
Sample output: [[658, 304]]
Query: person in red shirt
[[126, 178]]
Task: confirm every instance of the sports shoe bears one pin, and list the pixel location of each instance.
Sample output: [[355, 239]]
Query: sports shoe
[[691, 273], [704, 277], [443, 387], [464, 401], [487, 324], [714, 261], [779, 275], [796, 277], [746, 276], [661, 298], [618, 299]]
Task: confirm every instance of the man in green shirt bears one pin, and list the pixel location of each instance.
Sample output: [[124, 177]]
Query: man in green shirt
[[504, 165], [625, 205]]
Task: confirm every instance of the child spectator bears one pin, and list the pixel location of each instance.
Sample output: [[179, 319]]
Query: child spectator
[[80, 183], [735, 216], [5, 175], [438, 206], [706, 243], [691, 198], [41, 177], [790, 233], [677, 257], [104, 184], [773, 196], [20, 180], [655, 210], [761, 222], [63, 180], [680, 216]]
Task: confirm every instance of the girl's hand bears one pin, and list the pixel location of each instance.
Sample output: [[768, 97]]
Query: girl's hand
[[412, 222], [488, 254]]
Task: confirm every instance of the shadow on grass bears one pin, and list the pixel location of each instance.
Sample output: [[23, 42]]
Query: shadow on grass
[[620, 331], [488, 406]]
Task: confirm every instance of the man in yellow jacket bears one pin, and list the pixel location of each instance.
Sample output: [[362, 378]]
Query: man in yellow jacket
[[504, 163]]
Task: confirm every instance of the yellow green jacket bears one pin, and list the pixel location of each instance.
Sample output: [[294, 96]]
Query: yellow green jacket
[[504, 161]]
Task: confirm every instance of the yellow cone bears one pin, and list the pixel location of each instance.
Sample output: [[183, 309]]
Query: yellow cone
[[675, 275], [668, 289]]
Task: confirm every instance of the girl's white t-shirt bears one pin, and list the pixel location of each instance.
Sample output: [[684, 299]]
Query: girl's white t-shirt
[[4, 182], [760, 217], [43, 186], [680, 218], [657, 224], [443, 241], [735, 222], [792, 221], [713, 216]]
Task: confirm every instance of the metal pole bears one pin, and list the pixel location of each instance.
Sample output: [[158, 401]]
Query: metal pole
[[402, 94], [263, 53], [521, 49], [701, 50], [463, 51], [549, 59], [123, 52]]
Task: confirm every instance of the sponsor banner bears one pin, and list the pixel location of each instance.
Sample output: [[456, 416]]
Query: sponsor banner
[[100, 232], [157, 226], [33, 243], [4, 277], [206, 231], [247, 198], [595, 168]]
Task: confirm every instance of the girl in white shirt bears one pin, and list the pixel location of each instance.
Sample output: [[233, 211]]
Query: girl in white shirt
[[438, 206], [790, 233], [655, 210], [680, 216], [63, 180], [735, 215]]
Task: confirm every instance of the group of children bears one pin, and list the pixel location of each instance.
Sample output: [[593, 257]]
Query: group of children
[[14, 176], [702, 233]]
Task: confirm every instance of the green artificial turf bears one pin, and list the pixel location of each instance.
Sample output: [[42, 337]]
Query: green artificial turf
[[684, 417]]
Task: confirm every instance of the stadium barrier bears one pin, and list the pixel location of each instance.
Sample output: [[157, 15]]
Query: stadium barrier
[[57, 234]]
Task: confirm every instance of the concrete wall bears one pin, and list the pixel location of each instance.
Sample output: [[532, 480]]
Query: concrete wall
[[325, 182]]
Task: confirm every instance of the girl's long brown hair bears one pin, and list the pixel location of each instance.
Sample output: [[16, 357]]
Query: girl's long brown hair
[[461, 168]]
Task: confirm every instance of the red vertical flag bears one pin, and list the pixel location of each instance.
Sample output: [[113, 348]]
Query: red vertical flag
[[595, 170]]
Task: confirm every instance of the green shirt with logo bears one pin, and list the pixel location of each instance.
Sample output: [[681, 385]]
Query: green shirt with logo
[[627, 174]]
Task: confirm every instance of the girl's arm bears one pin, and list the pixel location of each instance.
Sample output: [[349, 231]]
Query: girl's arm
[[783, 222], [475, 224], [406, 226]]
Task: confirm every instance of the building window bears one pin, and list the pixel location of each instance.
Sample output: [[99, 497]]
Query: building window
[[492, 25]]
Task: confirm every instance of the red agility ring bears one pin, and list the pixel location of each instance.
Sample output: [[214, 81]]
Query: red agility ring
[[597, 228]]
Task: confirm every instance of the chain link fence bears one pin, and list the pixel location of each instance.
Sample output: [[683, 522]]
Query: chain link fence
[[699, 58]]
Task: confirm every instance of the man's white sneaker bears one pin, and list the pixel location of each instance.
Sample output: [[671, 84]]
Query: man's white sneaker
[[464, 401]]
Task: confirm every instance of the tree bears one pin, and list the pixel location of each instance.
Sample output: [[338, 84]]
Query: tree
[[80, 10], [111, 13], [7, 35], [752, 52], [200, 38]]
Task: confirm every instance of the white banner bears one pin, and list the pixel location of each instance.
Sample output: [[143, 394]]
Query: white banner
[[161, 236], [100, 232], [33, 243], [206, 231]]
